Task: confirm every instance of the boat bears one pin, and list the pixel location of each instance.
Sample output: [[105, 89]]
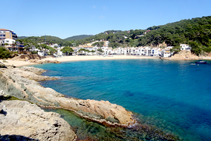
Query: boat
[[201, 62]]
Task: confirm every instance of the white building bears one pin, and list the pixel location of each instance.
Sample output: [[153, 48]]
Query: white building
[[42, 53], [167, 52], [54, 45], [107, 50], [147, 51], [7, 39], [10, 44], [59, 53], [185, 47], [155, 52]]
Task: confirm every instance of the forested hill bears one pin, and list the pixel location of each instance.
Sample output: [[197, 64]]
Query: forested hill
[[196, 32], [48, 39], [78, 37], [22, 37]]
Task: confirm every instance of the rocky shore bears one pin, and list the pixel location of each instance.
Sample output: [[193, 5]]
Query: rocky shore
[[22, 83], [187, 55], [34, 58], [20, 120]]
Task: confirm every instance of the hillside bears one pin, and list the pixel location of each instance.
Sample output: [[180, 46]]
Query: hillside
[[196, 32], [22, 37], [47, 39], [77, 37]]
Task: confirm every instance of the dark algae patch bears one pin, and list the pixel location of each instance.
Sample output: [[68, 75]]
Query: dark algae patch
[[8, 98], [88, 130]]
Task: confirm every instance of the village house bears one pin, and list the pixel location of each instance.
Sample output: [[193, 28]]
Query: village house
[[7, 39], [54, 45], [185, 47], [167, 52]]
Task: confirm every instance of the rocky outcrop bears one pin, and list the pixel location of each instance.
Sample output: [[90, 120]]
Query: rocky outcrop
[[20, 83], [2, 65], [33, 70], [28, 121], [44, 61], [183, 55], [27, 57], [28, 72], [34, 58]]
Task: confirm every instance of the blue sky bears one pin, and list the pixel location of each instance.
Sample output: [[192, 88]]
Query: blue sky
[[65, 18]]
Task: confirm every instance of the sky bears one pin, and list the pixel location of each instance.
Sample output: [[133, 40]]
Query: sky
[[66, 18]]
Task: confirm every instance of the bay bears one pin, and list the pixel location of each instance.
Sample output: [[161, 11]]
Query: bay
[[173, 96]]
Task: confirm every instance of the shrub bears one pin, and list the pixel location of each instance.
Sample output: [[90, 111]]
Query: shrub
[[34, 52], [4, 53], [195, 48]]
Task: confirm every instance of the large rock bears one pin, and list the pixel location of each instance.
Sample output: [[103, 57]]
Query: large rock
[[184, 55], [30, 73], [19, 83], [27, 57], [32, 69], [24, 119]]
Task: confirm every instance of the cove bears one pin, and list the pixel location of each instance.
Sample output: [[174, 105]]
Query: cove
[[173, 96]]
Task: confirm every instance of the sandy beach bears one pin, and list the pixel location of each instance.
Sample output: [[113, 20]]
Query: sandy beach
[[76, 58]]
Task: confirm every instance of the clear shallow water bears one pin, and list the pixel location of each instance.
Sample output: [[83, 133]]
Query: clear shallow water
[[175, 96]]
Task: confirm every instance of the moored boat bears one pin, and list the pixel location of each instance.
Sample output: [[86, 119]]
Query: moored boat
[[201, 62]]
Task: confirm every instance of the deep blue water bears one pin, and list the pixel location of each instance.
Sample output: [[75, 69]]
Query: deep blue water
[[175, 96]]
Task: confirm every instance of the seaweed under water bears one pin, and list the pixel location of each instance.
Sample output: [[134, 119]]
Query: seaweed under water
[[89, 130]]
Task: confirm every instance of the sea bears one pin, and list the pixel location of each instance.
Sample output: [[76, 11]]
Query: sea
[[168, 98]]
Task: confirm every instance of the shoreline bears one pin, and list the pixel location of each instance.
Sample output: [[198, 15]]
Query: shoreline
[[19, 63]]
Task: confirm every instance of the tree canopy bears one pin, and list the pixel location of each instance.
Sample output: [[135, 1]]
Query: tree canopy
[[67, 50], [99, 44], [78, 37], [4, 53]]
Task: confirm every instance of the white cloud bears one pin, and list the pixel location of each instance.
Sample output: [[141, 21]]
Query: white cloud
[[94, 6]]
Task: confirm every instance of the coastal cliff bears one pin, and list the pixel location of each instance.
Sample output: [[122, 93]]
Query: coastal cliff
[[20, 83]]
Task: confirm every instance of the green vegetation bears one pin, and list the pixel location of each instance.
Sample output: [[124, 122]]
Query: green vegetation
[[99, 44], [175, 49], [100, 50], [22, 37], [45, 39], [78, 37], [9, 98], [4, 53], [51, 50], [196, 32], [34, 52], [83, 50], [67, 50]]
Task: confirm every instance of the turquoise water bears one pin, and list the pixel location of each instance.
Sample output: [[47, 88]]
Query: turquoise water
[[174, 96]]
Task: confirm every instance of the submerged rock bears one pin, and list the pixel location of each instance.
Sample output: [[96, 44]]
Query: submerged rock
[[28, 121]]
